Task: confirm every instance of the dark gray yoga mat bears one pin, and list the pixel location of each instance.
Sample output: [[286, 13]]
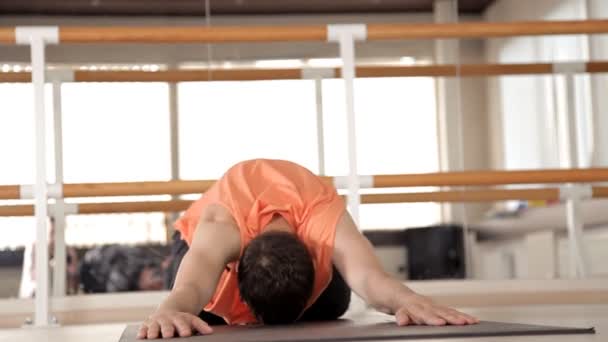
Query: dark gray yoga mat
[[345, 330]]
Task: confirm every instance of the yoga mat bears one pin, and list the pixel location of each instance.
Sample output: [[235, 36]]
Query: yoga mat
[[345, 330]]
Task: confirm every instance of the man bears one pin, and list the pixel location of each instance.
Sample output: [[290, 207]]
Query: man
[[272, 243]]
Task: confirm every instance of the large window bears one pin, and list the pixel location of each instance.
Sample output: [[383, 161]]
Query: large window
[[111, 133], [396, 133], [117, 132], [222, 123], [225, 122]]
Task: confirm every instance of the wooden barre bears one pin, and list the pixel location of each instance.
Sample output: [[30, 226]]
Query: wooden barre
[[413, 197], [232, 34], [464, 178], [486, 178], [484, 29], [136, 188], [202, 75]]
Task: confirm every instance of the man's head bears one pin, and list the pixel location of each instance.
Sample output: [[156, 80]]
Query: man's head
[[276, 277]]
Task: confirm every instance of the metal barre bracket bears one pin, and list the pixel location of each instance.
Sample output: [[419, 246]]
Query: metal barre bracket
[[575, 192], [25, 35]]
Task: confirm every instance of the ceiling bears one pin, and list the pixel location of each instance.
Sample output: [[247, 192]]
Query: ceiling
[[223, 7]]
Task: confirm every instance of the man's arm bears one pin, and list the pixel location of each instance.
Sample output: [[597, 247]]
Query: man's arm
[[355, 260], [215, 244]]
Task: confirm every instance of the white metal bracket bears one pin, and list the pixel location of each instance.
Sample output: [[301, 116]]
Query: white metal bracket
[[68, 209], [575, 192], [61, 75], [53, 191], [337, 32], [569, 67], [318, 73], [341, 182], [25, 35]]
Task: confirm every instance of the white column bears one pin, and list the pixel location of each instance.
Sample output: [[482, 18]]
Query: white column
[[37, 38], [320, 128], [346, 35], [577, 255], [449, 114], [59, 272]]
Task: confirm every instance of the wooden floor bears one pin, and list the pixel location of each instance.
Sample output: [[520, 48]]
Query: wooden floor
[[566, 315]]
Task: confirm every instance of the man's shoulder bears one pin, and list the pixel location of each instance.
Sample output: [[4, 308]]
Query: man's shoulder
[[217, 229]]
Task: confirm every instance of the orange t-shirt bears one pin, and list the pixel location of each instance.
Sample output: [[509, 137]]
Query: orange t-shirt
[[253, 192]]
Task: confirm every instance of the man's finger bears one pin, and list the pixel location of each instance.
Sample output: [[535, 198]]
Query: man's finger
[[200, 326], [451, 317], [470, 319], [166, 328], [153, 330], [413, 314], [402, 317], [143, 332], [427, 316], [183, 326]]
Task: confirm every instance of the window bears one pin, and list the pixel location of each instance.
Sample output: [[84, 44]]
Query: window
[[17, 152], [111, 132], [120, 132], [222, 123], [396, 133]]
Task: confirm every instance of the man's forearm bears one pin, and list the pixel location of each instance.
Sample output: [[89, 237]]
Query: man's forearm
[[386, 293], [183, 299]]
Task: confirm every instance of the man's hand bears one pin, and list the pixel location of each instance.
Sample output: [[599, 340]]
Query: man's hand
[[172, 324], [420, 310], [355, 259]]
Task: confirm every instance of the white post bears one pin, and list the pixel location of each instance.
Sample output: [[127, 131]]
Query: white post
[[320, 128], [577, 256], [174, 144], [346, 35], [174, 127], [37, 38], [59, 272], [574, 140], [573, 206]]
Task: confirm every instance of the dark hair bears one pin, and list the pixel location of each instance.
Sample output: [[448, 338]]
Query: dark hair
[[276, 277]]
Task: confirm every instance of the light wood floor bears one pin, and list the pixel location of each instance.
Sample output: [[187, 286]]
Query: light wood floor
[[566, 315]]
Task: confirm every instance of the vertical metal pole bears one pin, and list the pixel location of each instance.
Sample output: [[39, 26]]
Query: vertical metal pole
[[59, 272], [574, 213], [174, 143], [41, 317], [320, 128], [572, 121], [37, 38], [347, 52], [576, 249]]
